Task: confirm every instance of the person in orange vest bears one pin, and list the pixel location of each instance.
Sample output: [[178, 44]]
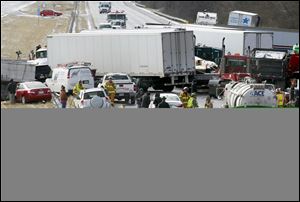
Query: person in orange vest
[[110, 86], [184, 97], [280, 98]]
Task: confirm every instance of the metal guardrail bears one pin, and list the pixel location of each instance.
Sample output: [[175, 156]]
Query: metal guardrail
[[73, 17], [90, 16], [19, 70]]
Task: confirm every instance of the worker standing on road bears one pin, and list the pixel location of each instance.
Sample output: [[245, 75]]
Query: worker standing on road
[[146, 100], [208, 103], [11, 88], [292, 91], [157, 100], [192, 102], [280, 98], [63, 97], [110, 86], [184, 97], [77, 88], [164, 104], [138, 97]]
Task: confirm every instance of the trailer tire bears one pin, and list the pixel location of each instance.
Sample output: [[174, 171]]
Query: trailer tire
[[126, 99], [132, 100]]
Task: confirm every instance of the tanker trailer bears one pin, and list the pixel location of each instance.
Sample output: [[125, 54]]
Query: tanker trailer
[[243, 94]]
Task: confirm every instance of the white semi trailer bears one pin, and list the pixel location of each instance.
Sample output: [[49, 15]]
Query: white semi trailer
[[161, 58], [237, 41]]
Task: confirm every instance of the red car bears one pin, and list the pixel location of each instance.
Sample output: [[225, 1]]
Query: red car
[[32, 91], [50, 13]]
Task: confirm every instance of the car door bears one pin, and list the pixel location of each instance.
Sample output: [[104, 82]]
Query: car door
[[20, 91], [77, 100]]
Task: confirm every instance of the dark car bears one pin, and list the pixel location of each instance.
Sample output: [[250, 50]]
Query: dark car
[[50, 13]]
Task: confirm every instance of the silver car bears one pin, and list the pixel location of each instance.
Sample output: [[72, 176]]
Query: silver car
[[92, 98]]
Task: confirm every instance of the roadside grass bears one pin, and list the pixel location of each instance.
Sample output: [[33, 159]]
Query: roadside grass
[[25, 30]]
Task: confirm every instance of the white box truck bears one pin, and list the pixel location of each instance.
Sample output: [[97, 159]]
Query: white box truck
[[161, 58], [244, 19], [237, 41], [205, 18]]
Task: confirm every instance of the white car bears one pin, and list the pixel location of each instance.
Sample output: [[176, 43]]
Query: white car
[[104, 26], [172, 99], [92, 98], [116, 24]]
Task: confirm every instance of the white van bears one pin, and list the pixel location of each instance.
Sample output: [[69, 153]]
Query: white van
[[69, 75]]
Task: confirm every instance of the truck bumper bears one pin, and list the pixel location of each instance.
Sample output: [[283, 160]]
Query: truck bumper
[[124, 95]]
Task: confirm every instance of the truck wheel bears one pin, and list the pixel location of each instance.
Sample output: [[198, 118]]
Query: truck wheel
[[132, 100], [127, 99], [168, 88]]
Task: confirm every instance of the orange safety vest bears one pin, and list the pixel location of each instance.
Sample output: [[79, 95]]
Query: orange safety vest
[[110, 87]]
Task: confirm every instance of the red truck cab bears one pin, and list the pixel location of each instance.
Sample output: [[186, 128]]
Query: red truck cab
[[234, 67], [293, 64]]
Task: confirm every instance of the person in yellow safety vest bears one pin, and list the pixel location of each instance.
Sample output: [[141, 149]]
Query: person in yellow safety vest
[[192, 103], [111, 89], [184, 97], [280, 98], [77, 88]]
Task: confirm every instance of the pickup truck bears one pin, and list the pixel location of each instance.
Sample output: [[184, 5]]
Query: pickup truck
[[126, 88]]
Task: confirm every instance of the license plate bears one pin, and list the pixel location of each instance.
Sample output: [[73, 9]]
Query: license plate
[[41, 92], [85, 82]]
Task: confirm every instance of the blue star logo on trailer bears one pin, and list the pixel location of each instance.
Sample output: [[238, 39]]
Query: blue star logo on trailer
[[245, 20]]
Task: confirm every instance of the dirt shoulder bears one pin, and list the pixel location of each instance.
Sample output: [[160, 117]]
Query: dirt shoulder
[[24, 30]]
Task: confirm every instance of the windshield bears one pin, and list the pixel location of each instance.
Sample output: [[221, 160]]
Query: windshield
[[41, 54], [105, 26], [170, 97], [35, 85], [90, 95], [118, 77], [236, 63], [82, 71], [116, 23], [208, 53], [116, 17]]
